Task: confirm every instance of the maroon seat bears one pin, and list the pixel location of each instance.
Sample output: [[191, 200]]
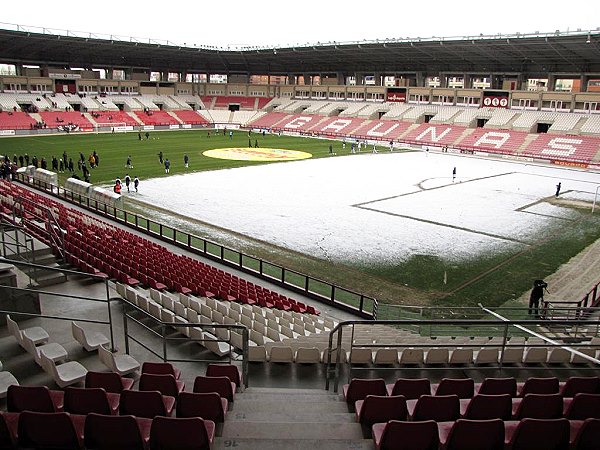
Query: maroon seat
[[467, 434], [225, 370], [359, 388], [410, 388], [538, 406], [397, 435], [165, 384], [380, 409], [582, 406], [537, 434], [147, 404], [109, 381], [463, 387], [107, 432], [33, 398], [54, 430], [441, 408], [221, 385], [209, 405], [8, 430], [580, 385], [90, 400], [587, 435], [535, 385], [171, 433], [497, 386], [485, 407], [161, 368]]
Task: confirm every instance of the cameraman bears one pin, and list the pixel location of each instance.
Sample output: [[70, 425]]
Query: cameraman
[[537, 294]]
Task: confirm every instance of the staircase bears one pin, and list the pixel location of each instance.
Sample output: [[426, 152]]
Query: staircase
[[302, 419], [43, 256]]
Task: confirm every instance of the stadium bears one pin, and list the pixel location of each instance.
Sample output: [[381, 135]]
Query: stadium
[[332, 244]]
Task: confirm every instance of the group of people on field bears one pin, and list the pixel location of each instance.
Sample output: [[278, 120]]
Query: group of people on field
[[128, 181]]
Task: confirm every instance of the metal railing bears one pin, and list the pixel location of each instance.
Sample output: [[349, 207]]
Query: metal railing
[[315, 288]]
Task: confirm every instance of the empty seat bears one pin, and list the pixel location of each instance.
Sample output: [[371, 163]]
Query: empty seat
[[380, 409], [147, 404], [65, 374], [281, 354], [535, 385], [230, 371], [463, 387], [587, 435], [582, 406], [221, 385], [121, 364], [52, 350], [484, 407], [307, 355], [89, 340], [107, 432], [538, 406], [90, 400], [37, 334], [166, 384], [359, 388], [411, 356], [8, 430], [400, 435], [161, 368], [385, 356], [6, 379], [467, 434], [208, 405], [170, 433], [580, 385], [537, 434], [441, 408], [360, 356], [109, 381], [411, 388], [497, 386], [56, 430], [437, 356], [34, 398]]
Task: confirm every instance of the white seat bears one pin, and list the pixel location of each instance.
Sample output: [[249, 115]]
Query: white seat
[[120, 287], [385, 356], [411, 356], [281, 354], [37, 334], [535, 355], [53, 351], [217, 347], [487, 355], [437, 355], [360, 356], [308, 355], [257, 353], [155, 295], [577, 359], [64, 374], [6, 379], [90, 340], [122, 364], [559, 355], [512, 355], [180, 310], [257, 338]]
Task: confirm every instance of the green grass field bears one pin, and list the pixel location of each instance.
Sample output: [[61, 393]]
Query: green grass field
[[492, 280]]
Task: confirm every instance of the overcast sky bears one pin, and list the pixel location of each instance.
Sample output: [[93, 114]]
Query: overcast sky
[[282, 23]]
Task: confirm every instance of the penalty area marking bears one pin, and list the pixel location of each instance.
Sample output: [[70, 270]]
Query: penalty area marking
[[256, 154]]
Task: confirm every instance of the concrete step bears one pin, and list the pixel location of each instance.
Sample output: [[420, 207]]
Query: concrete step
[[291, 414], [291, 431], [287, 406], [304, 444]]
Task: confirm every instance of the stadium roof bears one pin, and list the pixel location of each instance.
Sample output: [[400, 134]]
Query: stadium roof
[[536, 55]]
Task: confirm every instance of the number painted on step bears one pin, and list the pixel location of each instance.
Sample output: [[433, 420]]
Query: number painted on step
[[229, 443]]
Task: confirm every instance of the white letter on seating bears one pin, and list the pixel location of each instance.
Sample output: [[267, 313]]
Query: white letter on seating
[[373, 132], [432, 131], [561, 147], [496, 140], [298, 122], [338, 125]]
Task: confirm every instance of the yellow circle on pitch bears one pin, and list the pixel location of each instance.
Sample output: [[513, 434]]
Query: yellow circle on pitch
[[256, 154]]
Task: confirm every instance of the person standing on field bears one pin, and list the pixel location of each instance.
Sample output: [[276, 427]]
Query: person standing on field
[[136, 183], [127, 181], [186, 160]]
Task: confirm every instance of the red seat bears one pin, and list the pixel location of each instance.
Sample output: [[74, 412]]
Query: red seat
[[33, 398], [467, 434], [161, 368], [55, 430], [582, 406], [587, 434], [208, 405], [497, 386], [170, 433], [106, 432], [535, 385], [463, 387], [441, 408], [538, 406], [397, 435], [359, 388], [221, 385], [147, 404], [411, 388], [8, 430], [486, 407], [90, 400], [165, 384], [109, 381], [537, 434], [225, 370], [380, 409], [578, 385]]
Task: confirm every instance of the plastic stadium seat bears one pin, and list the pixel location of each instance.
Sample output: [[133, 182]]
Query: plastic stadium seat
[[121, 364], [587, 435], [90, 400], [228, 370], [380, 409], [441, 408], [485, 407], [538, 406], [359, 388], [397, 435], [582, 406], [109, 381], [165, 384], [221, 385], [537, 434], [90, 340], [8, 430], [496, 386], [57, 430], [147, 404], [463, 387], [209, 405], [533, 385], [34, 398], [6, 379], [580, 385], [467, 434], [411, 388], [65, 374], [37, 334], [170, 433], [107, 432], [161, 368]]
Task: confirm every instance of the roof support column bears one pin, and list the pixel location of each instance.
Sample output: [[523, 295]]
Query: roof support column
[[467, 81], [551, 82], [341, 78], [583, 84]]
